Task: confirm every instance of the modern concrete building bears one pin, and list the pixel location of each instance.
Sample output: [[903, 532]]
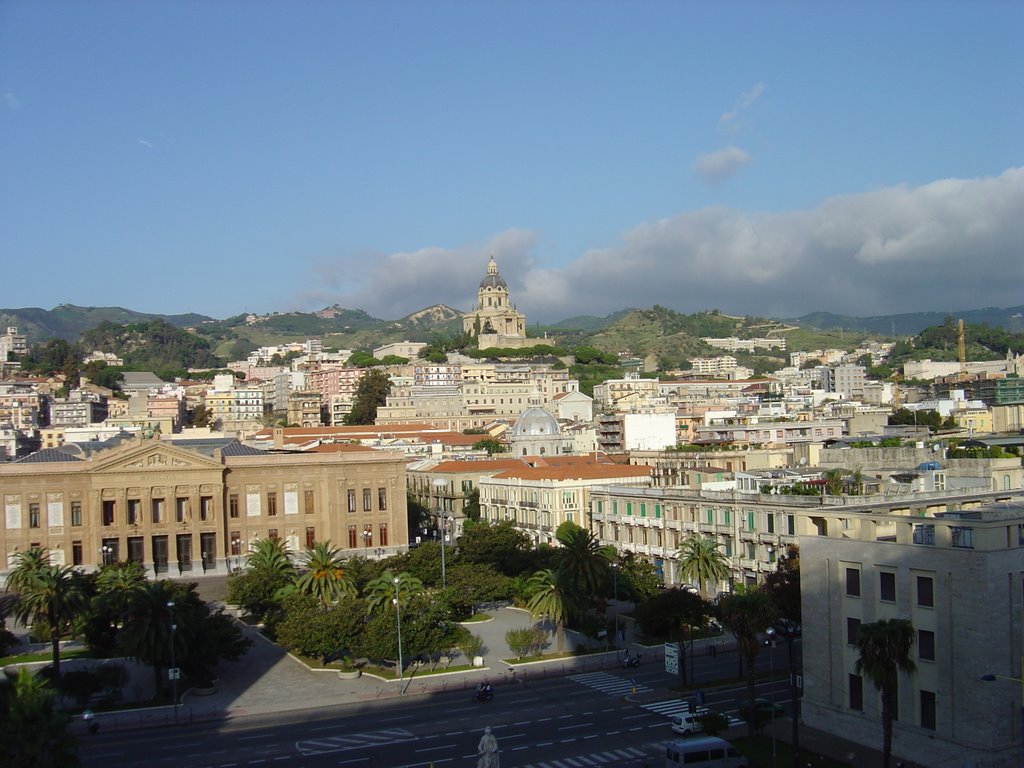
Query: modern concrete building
[[190, 508], [956, 572]]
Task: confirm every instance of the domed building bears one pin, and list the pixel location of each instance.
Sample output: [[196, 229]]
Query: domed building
[[495, 321], [537, 433]]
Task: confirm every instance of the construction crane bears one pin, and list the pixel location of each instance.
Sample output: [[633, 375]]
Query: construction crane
[[961, 348]]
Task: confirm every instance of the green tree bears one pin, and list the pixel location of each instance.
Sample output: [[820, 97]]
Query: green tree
[[490, 445], [746, 615], [313, 629], [271, 555], [114, 585], [33, 731], [636, 578], [673, 613], [47, 593], [885, 652], [324, 574], [471, 505], [257, 591], [381, 592], [552, 597], [372, 392], [586, 567], [783, 586], [201, 416], [702, 562], [501, 544], [146, 633]]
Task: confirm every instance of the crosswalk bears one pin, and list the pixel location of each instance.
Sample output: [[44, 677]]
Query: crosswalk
[[616, 757], [329, 744], [609, 683], [678, 706]]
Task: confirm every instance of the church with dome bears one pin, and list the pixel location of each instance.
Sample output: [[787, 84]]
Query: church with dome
[[537, 433], [495, 321]]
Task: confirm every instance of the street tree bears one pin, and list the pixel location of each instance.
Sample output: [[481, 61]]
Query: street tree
[[702, 562], [371, 392], [884, 648], [746, 615], [325, 574], [551, 596]]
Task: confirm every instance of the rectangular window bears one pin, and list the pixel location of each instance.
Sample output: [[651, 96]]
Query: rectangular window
[[366, 500], [657, 511], [76, 553], [183, 548], [272, 533], [856, 693], [76, 514], [33, 515], [134, 511], [643, 509], [351, 500], [887, 587], [770, 520], [233, 505], [925, 645], [308, 502], [271, 503], [310, 537], [928, 710], [136, 550], [629, 508], [962, 537], [750, 521], [180, 509], [852, 582], [924, 534], [353, 537], [383, 534], [108, 512], [711, 517], [791, 525], [382, 499], [852, 631], [206, 508], [751, 550], [157, 513], [925, 592]]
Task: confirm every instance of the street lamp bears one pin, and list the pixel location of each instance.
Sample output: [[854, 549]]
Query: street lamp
[[439, 485], [367, 535], [173, 671], [236, 544], [771, 676], [107, 551], [398, 619], [992, 677]]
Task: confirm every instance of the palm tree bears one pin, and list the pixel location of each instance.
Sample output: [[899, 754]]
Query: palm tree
[[550, 596], [702, 562], [585, 565], [325, 574], [885, 652], [32, 729], [49, 593], [270, 555], [381, 591], [746, 615], [146, 634]]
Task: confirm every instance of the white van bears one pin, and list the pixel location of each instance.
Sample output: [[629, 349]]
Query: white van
[[703, 752], [690, 721]]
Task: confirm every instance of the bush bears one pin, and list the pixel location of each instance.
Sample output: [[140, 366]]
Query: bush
[[529, 641]]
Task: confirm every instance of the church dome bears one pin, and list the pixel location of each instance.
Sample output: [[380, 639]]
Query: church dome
[[493, 281], [534, 422]]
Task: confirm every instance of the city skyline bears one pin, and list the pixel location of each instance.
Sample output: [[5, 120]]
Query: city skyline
[[771, 160]]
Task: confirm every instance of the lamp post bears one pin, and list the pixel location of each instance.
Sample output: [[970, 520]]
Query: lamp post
[[440, 485], [173, 671], [107, 551], [398, 619], [771, 677], [367, 535], [236, 544], [992, 677]]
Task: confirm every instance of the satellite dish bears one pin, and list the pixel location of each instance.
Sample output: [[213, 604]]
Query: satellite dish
[[936, 448]]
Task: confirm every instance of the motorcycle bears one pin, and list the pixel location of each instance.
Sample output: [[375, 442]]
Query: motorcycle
[[483, 694], [631, 661]]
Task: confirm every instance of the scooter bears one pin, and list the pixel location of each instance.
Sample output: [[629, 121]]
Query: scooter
[[631, 661], [483, 694]]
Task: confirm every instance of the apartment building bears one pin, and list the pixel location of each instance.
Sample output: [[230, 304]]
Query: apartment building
[[12, 344], [957, 574], [651, 430], [713, 366], [191, 508], [734, 344], [21, 405], [410, 350], [304, 408], [78, 409], [741, 431], [542, 493]]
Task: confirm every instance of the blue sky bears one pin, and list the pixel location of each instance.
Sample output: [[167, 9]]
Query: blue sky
[[758, 158]]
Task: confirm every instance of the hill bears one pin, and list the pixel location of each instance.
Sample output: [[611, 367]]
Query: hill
[[909, 324], [68, 322]]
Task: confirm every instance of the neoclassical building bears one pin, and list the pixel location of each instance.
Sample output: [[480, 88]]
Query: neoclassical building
[[190, 508], [495, 321]]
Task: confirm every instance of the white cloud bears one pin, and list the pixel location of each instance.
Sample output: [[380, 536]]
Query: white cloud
[[11, 100], [721, 165], [745, 100], [145, 143], [948, 245]]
